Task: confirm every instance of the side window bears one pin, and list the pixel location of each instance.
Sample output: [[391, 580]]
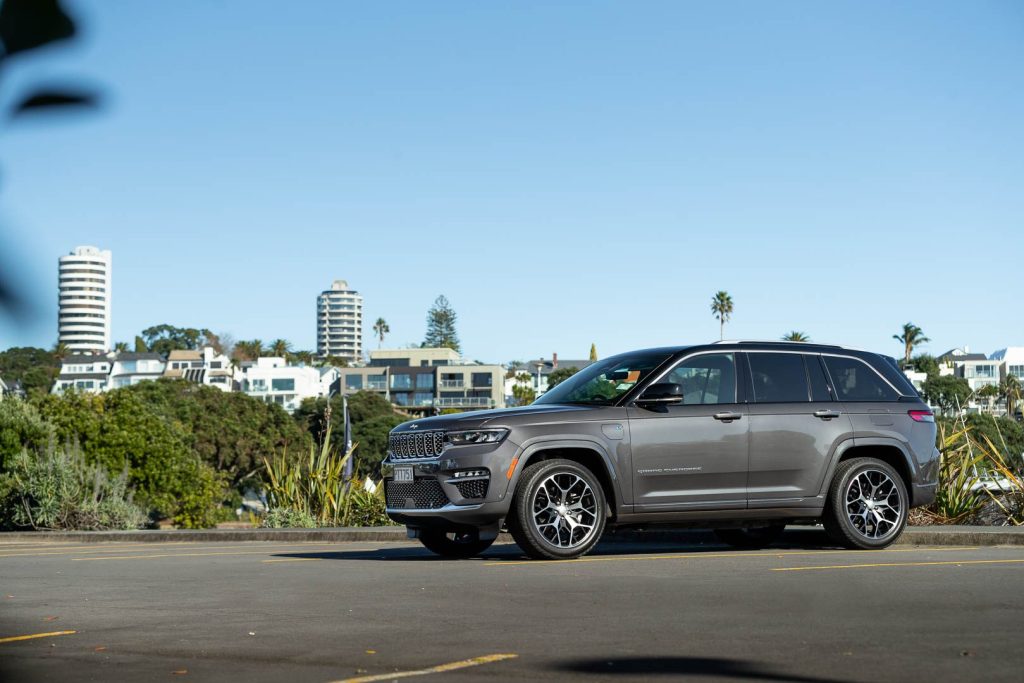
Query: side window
[[778, 377], [819, 385], [854, 380], [706, 379]]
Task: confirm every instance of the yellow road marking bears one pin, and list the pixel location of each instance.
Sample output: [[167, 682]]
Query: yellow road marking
[[734, 554], [895, 564], [293, 559], [440, 668], [266, 551], [153, 546], [268, 548], [12, 639]]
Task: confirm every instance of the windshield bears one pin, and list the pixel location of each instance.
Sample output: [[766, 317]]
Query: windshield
[[605, 382]]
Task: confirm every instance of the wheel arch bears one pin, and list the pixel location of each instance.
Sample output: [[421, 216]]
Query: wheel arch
[[888, 451], [584, 453]]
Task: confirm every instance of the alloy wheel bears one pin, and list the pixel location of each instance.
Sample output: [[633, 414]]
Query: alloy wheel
[[873, 504], [565, 510]]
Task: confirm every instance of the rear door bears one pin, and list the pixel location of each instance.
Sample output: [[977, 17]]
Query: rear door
[[795, 426], [693, 455]]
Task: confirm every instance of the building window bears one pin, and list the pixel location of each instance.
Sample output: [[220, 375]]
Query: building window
[[483, 379], [216, 365], [354, 382], [985, 371], [1016, 370], [284, 384], [423, 398], [424, 381], [378, 382], [401, 381]]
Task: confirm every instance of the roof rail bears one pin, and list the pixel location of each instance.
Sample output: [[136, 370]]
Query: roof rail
[[779, 342]]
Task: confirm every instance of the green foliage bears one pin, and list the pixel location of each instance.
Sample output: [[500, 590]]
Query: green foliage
[[560, 375], [21, 427], [946, 391], [911, 337], [593, 353], [958, 472], [722, 308], [230, 431], [372, 417], [35, 368], [381, 329], [56, 489], [249, 350], [441, 320], [523, 392], [140, 345], [166, 338], [117, 430], [796, 336], [286, 518], [281, 348], [199, 506], [926, 363]]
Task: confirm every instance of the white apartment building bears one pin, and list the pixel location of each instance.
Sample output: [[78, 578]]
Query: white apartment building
[[202, 366], [131, 368], [1011, 362], [274, 381], [339, 322], [89, 373], [83, 318]]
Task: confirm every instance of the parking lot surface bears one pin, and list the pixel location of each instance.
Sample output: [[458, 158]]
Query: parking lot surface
[[801, 611]]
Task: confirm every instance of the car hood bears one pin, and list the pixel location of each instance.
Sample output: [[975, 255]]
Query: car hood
[[502, 417]]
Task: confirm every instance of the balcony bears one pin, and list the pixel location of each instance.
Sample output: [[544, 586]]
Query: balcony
[[464, 402], [377, 386], [452, 384]]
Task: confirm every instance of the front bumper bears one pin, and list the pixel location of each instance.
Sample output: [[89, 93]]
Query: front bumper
[[415, 510]]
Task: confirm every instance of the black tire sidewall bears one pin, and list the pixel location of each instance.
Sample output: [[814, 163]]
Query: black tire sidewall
[[522, 527], [837, 522]]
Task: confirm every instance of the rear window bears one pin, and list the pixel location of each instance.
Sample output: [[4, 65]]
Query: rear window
[[778, 377], [854, 380]]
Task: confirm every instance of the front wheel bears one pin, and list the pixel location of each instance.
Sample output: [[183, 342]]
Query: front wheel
[[558, 511], [751, 539], [867, 504], [454, 544]]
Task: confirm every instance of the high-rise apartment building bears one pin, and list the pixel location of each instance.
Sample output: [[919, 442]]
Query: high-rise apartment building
[[339, 322], [83, 318]]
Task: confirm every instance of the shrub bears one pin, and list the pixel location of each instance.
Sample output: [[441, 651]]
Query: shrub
[[57, 489], [284, 518], [21, 427]]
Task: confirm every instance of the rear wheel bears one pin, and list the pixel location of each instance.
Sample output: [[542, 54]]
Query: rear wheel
[[458, 544], [558, 511], [867, 504], [759, 537]]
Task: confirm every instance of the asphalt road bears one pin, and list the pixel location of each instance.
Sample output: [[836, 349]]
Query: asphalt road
[[305, 612]]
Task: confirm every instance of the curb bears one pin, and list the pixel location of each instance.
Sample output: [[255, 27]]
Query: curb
[[798, 536]]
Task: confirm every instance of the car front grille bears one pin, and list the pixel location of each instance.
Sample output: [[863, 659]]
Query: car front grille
[[412, 445], [475, 488], [422, 494]]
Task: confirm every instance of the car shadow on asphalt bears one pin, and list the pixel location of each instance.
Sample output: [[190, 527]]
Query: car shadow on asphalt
[[661, 542], [683, 666]]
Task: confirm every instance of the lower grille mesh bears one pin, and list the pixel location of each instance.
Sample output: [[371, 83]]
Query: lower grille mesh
[[423, 494], [476, 488]]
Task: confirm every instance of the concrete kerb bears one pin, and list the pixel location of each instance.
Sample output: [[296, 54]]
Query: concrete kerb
[[921, 535]]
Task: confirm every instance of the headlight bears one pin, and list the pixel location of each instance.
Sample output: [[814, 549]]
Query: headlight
[[474, 436]]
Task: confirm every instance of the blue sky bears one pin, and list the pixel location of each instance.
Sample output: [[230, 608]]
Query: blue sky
[[565, 173]]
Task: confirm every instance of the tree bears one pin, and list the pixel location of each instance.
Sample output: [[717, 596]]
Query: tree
[[165, 338], [989, 392], [381, 328], [926, 363], [1010, 390], [303, 357], [21, 427], [946, 391], [593, 353], [140, 345], [558, 376], [911, 337], [795, 336], [121, 347], [522, 391], [721, 308], [249, 350], [35, 368], [441, 326], [280, 348], [60, 351]]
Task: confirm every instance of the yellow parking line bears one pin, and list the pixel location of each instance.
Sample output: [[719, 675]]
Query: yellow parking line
[[440, 668], [895, 564], [732, 554], [293, 559], [265, 551], [12, 639]]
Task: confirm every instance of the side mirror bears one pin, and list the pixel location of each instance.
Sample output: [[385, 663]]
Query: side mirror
[[663, 394]]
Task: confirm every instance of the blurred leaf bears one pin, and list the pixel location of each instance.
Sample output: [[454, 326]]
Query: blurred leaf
[[28, 24], [49, 99]]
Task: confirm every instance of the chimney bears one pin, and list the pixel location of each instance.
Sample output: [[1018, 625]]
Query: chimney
[[554, 361]]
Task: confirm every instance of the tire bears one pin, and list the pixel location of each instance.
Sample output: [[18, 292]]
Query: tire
[[751, 539], [454, 544], [541, 518], [860, 519]]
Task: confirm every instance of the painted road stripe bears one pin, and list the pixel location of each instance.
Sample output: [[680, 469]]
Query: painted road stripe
[[268, 548], [51, 634], [204, 554], [440, 668], [293, 559], [732, 554], [896, 564]]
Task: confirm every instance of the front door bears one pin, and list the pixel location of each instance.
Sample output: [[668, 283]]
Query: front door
[[692, 455]]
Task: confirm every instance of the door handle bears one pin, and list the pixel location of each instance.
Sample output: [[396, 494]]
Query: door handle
[[827, 414], [728, 417]]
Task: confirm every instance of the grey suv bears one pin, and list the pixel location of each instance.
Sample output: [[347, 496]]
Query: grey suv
[[740, 437]]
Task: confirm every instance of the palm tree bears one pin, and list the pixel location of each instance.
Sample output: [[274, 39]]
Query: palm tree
[[249, 350], [911, 338], [60, 350], [1010, 389], [120, 347], [796, 337], [721, 307], [380, 328], [593, 353], [280, 347]]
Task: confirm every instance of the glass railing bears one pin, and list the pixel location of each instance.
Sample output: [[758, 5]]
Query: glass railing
[[452, 383], [464, 402]]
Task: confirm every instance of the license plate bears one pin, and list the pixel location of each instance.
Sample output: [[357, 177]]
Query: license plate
[[403, 473]]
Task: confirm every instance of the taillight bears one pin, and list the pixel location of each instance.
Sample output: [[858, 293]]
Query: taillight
[[921, 415]]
